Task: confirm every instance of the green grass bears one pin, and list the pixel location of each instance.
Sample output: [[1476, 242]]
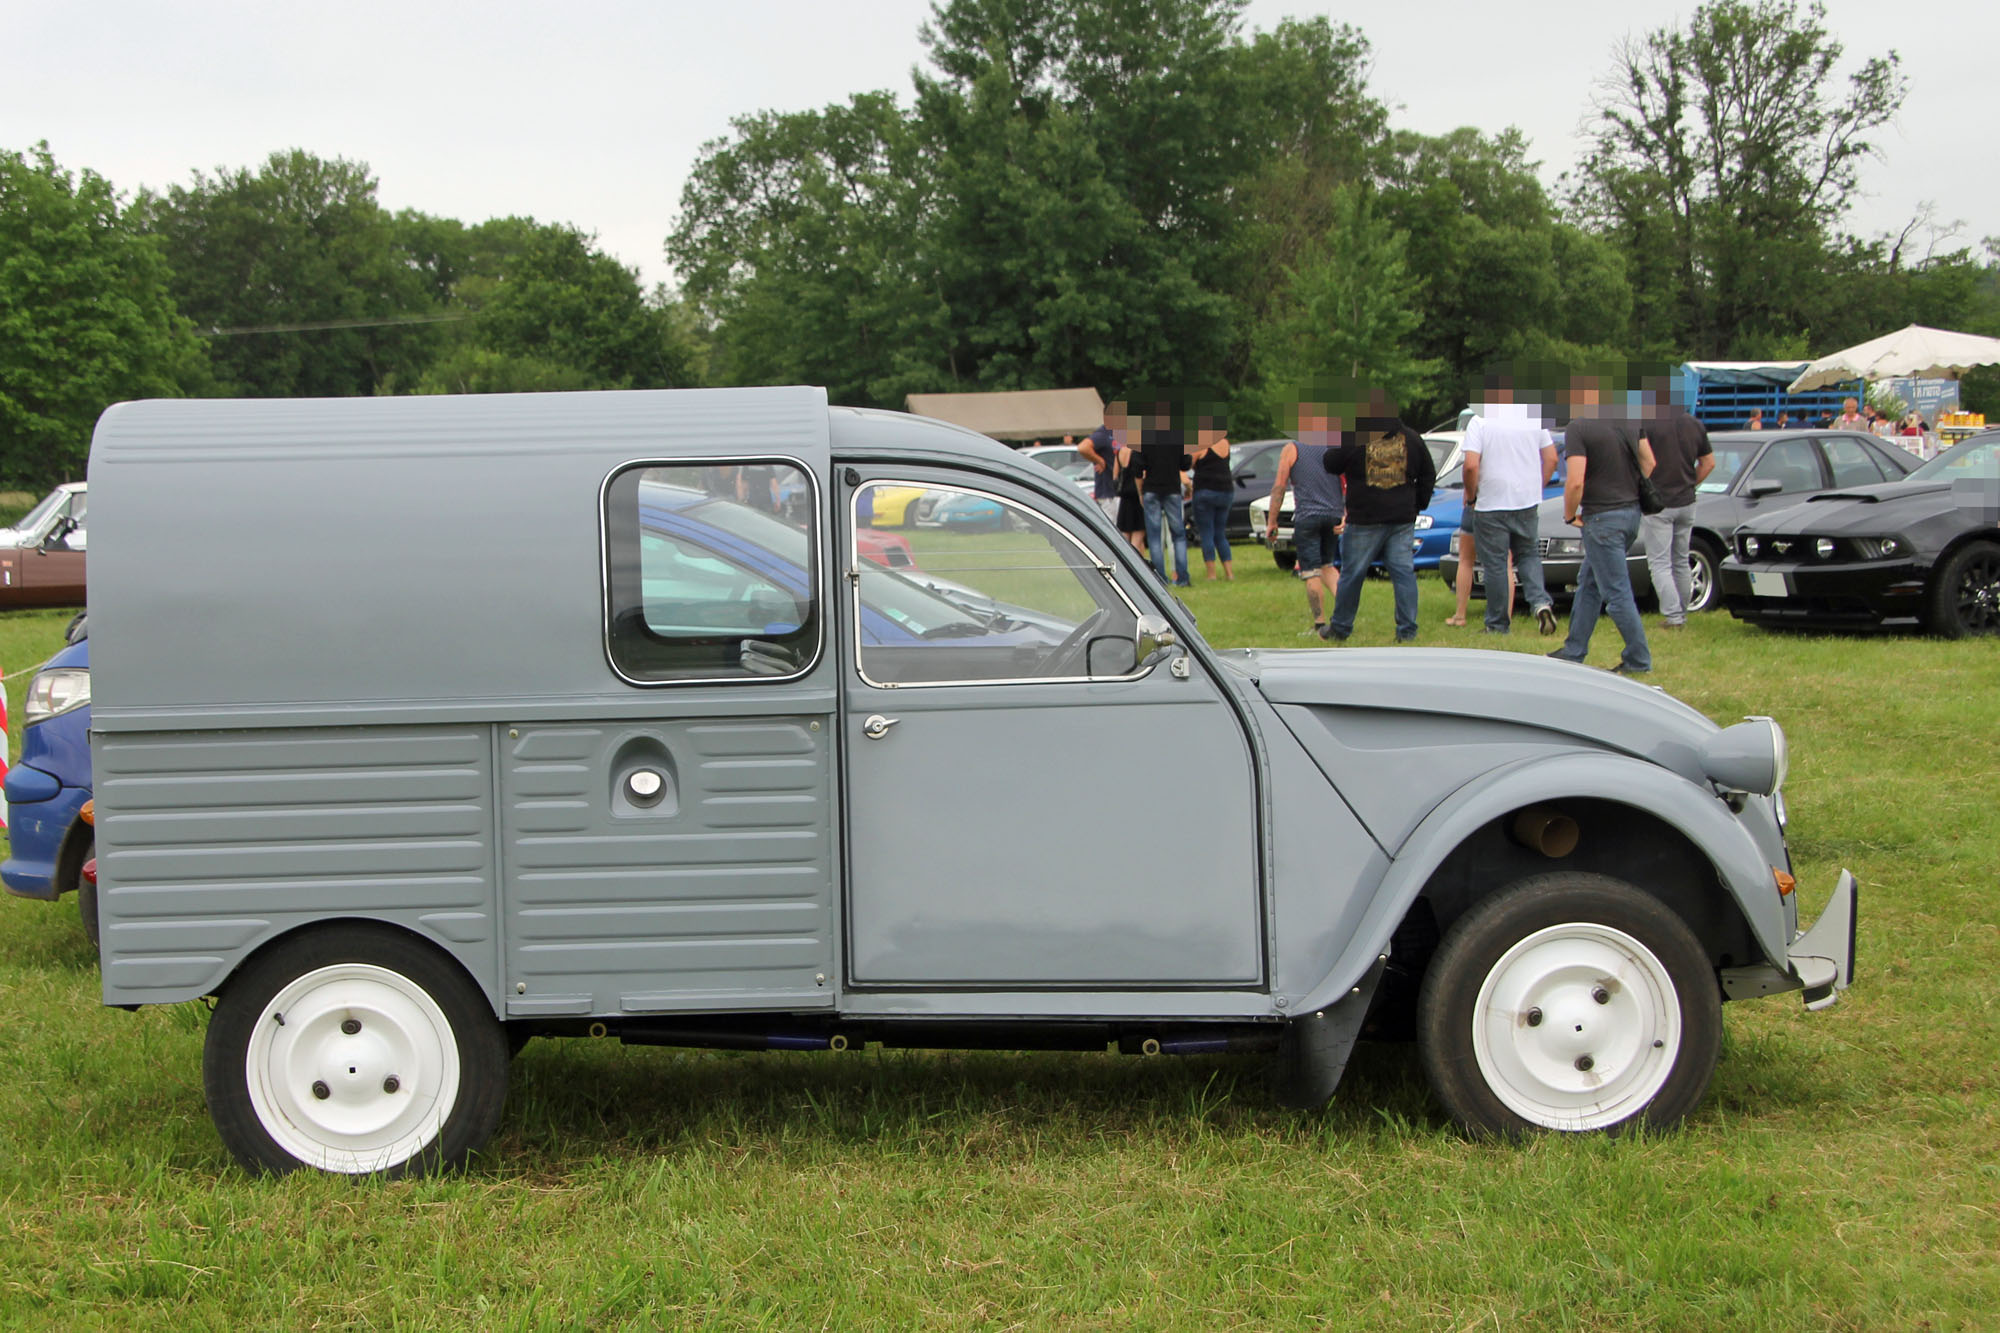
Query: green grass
[[1844, 1172]]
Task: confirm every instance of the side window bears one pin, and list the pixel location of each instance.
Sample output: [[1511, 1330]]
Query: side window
[[1790, 463], [711, 572], [1895, 461], [994, 592], [1851, 463]]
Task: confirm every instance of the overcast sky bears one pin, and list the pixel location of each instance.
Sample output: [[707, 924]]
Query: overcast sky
[[591, 112]]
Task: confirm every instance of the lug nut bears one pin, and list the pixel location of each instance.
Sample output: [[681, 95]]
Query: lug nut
[[350, 1026], [320, 1090], [1534, 1018], [390, 1084], [1601, 995], [1584, 1062]]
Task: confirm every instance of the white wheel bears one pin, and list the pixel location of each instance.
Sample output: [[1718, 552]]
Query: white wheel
[[1576, 1027], [352, 1068], [354, 1049], [1569, 1001]]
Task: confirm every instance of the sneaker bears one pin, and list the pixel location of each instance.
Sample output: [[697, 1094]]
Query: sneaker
[[1318, 631], [1546, 618], [1406, 638], [1622, 670], [1182, 583], [1673, 624], [1331, 635], [1560, 656]]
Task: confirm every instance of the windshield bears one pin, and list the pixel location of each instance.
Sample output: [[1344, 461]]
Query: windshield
[[1731, 457], [34, 517], [1975, 460]]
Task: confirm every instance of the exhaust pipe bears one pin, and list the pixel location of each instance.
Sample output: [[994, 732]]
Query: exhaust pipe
[[1546, 830]]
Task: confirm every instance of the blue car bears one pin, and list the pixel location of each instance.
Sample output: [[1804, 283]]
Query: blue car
[[47, 787]]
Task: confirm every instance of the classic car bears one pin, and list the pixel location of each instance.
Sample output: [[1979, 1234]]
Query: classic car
[[1756, 473], [703, 775], [42, 556], [1921, 552]]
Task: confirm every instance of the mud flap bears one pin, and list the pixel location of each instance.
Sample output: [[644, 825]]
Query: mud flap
[[1313, 1053]]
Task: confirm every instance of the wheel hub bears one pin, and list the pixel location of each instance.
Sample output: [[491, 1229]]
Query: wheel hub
[[353, 1068], [1608, 1032]]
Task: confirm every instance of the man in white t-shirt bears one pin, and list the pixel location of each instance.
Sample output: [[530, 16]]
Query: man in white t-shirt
[[1509, 457]]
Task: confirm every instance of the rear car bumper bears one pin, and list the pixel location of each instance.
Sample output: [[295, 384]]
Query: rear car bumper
[[1820, 961], [1855, 595]]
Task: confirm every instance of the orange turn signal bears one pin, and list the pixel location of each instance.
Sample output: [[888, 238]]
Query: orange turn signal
[[89, 812], [1785, 882]]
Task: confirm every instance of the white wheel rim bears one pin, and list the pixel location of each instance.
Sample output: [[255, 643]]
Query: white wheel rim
[[355, 1100], [1577, 1027]]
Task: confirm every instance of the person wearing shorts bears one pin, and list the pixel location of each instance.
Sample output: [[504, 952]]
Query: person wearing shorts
[[1318, 512]]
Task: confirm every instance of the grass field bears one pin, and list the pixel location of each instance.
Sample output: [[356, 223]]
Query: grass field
[[1844, 1172]]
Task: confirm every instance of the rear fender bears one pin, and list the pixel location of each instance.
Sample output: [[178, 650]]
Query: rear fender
[[1695, 811]]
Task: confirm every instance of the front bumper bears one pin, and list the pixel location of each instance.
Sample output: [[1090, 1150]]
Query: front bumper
[[39, 822], [1859, 595], [1820, 961]]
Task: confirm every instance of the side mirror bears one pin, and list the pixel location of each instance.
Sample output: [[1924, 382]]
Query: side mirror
[[1765, 486], [1153, 638]]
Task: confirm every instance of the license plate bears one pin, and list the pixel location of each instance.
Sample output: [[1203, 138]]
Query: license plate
[[1768, 585]]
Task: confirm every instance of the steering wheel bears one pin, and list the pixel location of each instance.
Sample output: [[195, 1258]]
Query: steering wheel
[[1074, 644]]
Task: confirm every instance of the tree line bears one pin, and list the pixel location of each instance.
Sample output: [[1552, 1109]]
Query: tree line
[[1126, 194]]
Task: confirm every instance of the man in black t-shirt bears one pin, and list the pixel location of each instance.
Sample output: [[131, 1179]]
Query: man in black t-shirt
[[1682, 459], [1601, 495], [1390, 476], [1158, 462]]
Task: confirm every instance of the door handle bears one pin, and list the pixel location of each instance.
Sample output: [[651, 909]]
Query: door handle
[[877, 726]]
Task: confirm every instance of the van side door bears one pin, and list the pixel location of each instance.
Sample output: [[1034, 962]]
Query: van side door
[[1029, 805]]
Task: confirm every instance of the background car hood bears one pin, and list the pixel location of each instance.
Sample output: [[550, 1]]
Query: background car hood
[[1879, 510], [1595, 708]]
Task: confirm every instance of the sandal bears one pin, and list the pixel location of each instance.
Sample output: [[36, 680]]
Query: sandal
[[1458, 621]]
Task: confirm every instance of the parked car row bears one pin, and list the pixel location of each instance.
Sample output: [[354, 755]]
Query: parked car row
[[1756, 473]]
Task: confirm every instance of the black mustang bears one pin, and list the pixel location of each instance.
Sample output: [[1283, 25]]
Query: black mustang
[[1924, 551]]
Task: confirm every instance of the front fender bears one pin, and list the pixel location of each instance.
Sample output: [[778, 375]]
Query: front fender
[[1693, 809]]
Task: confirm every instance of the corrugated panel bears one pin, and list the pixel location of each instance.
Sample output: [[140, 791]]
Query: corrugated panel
[[718, 897], [215, 841]]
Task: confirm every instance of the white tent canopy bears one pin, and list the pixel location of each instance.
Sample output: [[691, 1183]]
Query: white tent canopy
[[1915, 352]]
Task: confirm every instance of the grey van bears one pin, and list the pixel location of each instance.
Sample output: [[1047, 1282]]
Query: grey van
[[426, 725]]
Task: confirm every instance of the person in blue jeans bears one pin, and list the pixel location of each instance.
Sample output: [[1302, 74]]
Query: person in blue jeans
[[1389, 476], [1214, 493], [1159, 462], [1601, 494]]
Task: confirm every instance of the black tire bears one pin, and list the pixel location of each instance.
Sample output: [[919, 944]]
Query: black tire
[[1535, 958], [1704, 575], [1964, 595], [1285, 560], [82, 846], [86, 910], [406, 1000]]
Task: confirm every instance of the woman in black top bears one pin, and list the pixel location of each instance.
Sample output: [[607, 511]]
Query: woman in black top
[[1214, 492], [1131, 510]]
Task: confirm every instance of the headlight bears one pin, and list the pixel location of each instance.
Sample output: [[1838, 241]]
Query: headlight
[[1752, 548], [1566, 546], [56, 692], [1423, 522], [1750, 756], [1881, 548], [1823, 548]]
